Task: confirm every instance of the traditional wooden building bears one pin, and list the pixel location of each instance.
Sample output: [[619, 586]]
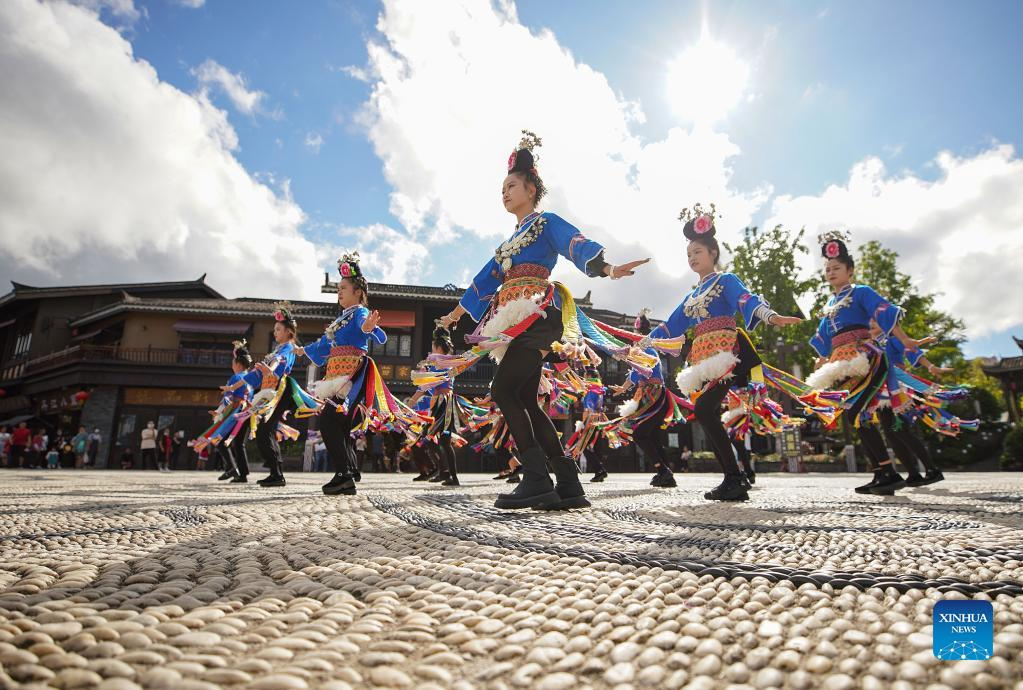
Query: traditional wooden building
[[1009, 372], [113, 357]]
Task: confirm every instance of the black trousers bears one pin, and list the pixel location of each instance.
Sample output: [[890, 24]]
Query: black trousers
[[708, 414], [266, 434], [515, 389], [148, 458], [743, 454], [870, 437], [336, 430], [235, 457], [907, 446], [647, 435]]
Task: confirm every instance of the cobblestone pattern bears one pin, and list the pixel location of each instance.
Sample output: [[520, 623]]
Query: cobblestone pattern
[[127, 580]]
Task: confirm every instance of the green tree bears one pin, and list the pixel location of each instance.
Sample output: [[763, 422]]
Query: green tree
[[768, 262]]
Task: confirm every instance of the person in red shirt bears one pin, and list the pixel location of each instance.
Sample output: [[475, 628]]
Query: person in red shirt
[[20, 439]]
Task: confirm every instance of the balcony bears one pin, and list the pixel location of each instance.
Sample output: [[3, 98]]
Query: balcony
[[143, 355]]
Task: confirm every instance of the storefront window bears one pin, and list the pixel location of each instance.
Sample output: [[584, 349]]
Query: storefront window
[[125, 430]]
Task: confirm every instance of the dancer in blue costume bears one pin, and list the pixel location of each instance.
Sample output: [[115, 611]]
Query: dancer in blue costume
[[515, 297]]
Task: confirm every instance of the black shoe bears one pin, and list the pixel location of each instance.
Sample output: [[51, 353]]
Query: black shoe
[[227, 475], [452, 480], [751, 477], [889, 481], [865, 488], [731, 489], [600, 476], [932, 476], [501, 475], [514, 478], [357, 476], [536, 487], [439, 477], [657, 478], [744, 481], [272, 480], [421, 477], [915, 479], [568, 488], [340, 483], [240, 479]]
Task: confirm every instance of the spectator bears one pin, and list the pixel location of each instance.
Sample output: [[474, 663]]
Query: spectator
[[179, 441], [166, 450], [21, 441], [319, 455], [53, 457], [360, 452], [40, 442], [378, 452], [201, 458], [127, 458], [80, 446], [148, 445], [95, 438], [5, 446], [687, 455]]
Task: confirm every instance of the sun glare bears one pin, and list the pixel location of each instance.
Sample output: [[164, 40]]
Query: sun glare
[[706, 81]]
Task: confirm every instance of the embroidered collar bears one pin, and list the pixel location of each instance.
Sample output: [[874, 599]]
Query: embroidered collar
[[526, 233], [341, 321]]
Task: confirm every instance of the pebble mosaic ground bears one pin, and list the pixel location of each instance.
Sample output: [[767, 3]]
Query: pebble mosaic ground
[[127, 580]]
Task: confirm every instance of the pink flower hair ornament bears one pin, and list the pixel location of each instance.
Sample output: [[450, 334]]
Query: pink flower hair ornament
[[511, 160], [832, 249], [703, 224]]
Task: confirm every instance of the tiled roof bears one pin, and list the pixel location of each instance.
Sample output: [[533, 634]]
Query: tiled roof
[[246, 306], [21, 291]]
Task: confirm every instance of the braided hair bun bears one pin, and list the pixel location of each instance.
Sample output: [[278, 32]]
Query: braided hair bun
[[523, 162]]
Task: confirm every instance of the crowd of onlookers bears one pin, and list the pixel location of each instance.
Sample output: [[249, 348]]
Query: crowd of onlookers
[[26, 447]]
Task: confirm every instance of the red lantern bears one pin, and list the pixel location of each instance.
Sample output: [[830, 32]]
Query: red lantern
[[81, 396]]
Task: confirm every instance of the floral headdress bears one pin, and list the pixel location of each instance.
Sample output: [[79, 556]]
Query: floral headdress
[[833, 244], [238, 346], [348, 265], [282, 312], [699, 222], [522, 159]]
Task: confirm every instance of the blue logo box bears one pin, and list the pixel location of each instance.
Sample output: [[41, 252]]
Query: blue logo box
[[964, 630]]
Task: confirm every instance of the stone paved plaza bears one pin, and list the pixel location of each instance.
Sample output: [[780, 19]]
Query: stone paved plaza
[[126, 580]]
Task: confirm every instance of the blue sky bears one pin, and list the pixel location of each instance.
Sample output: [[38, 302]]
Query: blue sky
[[831, 85]]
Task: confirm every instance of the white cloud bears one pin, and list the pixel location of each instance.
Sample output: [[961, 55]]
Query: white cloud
[[194, 4], [387, 255], [110, 174], [249, 101], [313, 141], [448, 101], [122, 10], [958, 235]]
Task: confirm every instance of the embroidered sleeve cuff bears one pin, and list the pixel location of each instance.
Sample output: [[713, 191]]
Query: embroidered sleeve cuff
[[595, 266], [764, 313]]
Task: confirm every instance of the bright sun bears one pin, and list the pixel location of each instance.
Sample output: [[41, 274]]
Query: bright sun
[[706, 81]]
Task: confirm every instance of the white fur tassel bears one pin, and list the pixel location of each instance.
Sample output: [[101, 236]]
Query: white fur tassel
[[325, 389], [629, 408], [507, 316], [836, 372], [717, 366], [731, 414], [264, 396]]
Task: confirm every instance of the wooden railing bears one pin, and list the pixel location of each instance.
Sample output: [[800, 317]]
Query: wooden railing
[[131, 355]]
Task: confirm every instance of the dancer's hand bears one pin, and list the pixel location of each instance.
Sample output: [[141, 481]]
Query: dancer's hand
[[926, 341], [938, 371], [263, 368], [299, 351], [371, 322], [779, 320], [624, 270]]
